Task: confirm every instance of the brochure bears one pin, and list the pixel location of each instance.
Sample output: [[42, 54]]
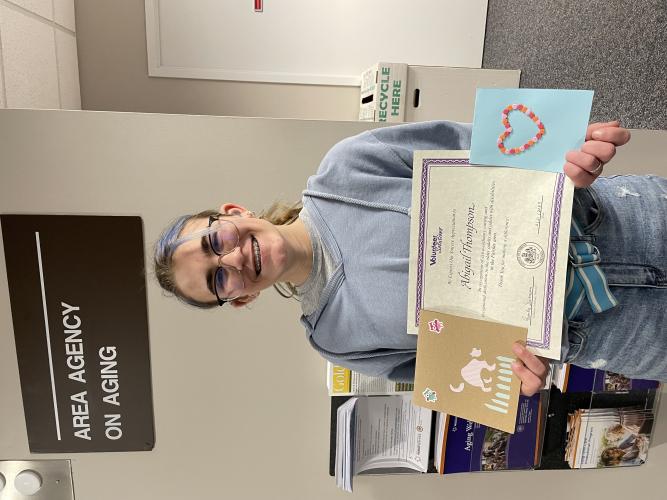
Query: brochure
[[465, 446], [608, 437], [380, 434], [571, 378], [345, 382]]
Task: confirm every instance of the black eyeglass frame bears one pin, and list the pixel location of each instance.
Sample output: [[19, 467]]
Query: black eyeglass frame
[[211, 219]]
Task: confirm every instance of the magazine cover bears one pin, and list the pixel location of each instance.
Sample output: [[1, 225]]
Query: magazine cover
[[577, 379], [469, 446], [345, 382], [609, 438]]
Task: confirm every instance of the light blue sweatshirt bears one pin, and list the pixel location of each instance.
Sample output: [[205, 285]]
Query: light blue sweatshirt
[[359, 202]]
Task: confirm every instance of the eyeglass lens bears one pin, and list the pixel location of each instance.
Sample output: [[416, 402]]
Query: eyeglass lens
[[224, 238], [228, 283]]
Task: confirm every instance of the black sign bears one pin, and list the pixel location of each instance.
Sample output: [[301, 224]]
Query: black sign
[[78, 295]]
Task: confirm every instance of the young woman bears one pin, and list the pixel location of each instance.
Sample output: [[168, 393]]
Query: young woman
[[345, 255]]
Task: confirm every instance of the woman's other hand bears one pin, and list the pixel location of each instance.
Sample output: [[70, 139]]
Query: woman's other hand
[[531, 369], [585, 165]]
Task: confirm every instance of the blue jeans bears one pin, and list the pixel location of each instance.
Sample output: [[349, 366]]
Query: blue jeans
[[625, 217]]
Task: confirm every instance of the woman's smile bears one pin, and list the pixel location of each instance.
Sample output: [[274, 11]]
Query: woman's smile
[[257, 256]]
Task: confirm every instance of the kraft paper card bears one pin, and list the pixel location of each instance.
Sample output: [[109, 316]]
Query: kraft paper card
[[464, 369], [529, 128], [490, 243]]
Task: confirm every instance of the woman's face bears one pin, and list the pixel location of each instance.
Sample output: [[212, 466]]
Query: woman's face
[[194, 264]]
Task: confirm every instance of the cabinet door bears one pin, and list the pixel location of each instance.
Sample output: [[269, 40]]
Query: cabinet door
[[328, 42]]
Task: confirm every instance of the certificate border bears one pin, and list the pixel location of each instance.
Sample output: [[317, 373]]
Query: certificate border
[[427, 164]]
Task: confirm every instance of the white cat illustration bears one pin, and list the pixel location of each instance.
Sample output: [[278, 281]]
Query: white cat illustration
[[472, 372]]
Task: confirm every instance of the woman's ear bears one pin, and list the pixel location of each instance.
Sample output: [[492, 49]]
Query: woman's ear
[[232, 209], [244, 301]]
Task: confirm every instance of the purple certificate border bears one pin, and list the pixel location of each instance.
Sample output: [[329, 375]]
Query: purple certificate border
[[429, 163]]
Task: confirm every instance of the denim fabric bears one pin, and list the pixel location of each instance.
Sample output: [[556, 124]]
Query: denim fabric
[[625, 217]]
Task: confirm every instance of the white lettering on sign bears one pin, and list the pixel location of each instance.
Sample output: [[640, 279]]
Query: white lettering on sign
[[80, 415], [73, 343], [109, 375], [114, 429], [76, 363]]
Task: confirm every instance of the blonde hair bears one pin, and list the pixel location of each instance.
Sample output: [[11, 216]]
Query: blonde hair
[[281, 213]]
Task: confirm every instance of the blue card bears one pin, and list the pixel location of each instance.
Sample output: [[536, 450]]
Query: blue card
[[529, 128]]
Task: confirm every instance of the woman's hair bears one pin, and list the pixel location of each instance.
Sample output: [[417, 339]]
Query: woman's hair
[[278, 214], [281, 214], [611, 456]]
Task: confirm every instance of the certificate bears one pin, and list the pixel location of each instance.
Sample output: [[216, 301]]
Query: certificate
[[490, 243]]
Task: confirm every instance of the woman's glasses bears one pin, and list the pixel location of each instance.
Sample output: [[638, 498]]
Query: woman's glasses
[[223, 238]]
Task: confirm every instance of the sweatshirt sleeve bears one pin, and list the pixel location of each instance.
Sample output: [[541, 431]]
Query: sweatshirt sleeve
[[407, 138], [369, 164]]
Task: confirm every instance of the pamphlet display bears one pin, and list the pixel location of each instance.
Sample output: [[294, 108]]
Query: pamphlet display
[[553, 430]]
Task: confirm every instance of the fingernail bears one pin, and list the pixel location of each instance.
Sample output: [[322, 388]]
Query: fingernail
[[517, 348], [597, 134]]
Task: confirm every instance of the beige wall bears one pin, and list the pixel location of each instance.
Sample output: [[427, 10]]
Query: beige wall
[[111, 40], [231, 421]]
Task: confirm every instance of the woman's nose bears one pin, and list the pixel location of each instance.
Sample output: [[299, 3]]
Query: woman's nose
[[232, 259]]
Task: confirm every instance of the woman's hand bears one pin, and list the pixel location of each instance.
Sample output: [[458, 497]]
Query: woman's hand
[[531, 369], [585, 165]]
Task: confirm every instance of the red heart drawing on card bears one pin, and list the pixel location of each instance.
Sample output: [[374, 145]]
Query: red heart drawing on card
[[508, 129]]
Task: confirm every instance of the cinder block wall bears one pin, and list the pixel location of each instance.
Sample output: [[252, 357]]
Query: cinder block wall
[[38, 55]]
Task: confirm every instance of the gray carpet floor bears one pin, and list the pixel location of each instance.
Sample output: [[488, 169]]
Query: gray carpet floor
[[618, 48]]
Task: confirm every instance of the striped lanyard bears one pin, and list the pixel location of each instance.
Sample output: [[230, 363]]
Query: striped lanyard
[[585, 278]]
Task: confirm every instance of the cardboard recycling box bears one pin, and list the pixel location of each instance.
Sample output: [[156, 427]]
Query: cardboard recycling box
[[397, 92]]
